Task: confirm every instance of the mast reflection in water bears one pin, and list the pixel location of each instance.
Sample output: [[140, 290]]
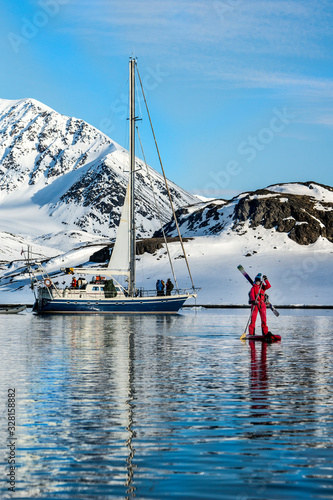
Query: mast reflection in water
[[131, 433]]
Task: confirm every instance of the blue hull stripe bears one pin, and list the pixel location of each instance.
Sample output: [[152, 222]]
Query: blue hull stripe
[[61, 306]]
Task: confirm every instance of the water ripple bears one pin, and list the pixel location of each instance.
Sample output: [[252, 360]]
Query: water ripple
[[168, 406]]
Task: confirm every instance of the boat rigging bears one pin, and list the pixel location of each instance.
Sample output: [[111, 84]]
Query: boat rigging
[[104, 293]]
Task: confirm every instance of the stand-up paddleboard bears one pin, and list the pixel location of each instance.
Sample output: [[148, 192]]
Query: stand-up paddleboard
[[264, 338]]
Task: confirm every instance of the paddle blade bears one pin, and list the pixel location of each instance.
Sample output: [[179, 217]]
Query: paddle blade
[[277, 314], [243, 336]]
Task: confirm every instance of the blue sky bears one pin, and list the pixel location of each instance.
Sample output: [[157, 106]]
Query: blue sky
[[240, 92]]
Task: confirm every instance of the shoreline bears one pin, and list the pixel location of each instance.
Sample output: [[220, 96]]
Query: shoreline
[[217, 306], [246, 306]]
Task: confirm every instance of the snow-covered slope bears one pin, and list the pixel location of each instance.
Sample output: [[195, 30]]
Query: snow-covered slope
[[311, 189], [59, 173], [299, 274]]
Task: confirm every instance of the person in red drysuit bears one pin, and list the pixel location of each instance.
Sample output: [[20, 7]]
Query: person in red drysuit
[[258, 303]]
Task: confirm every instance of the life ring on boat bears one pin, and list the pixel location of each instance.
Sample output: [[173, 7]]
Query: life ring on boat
[[47, 282]]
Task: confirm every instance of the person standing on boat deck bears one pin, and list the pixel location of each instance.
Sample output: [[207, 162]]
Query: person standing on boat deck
[[257, 301], [160, 287], [169, 287]]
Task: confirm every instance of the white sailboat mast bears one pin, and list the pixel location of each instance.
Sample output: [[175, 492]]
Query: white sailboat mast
[[131, 284]]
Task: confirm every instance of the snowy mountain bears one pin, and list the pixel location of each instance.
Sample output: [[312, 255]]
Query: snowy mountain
[[304, 211], [62, 185], [60, 175]]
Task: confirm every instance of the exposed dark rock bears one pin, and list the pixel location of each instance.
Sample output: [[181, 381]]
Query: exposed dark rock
[[151, 245], [302, 217], [101, 255], [147, 245]]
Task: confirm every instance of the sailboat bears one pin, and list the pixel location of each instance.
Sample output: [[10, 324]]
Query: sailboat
[[103, 293]]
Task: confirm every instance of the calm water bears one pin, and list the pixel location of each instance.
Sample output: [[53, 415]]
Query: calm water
[[159, 407]]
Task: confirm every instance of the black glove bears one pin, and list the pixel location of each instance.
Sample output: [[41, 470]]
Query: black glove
[[264, 277]]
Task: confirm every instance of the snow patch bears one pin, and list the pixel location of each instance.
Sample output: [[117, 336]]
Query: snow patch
[[314, 190]]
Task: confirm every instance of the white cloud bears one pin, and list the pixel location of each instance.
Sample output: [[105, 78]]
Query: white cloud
[[266, 79], [317, 117], [260, 27], [269, 44]]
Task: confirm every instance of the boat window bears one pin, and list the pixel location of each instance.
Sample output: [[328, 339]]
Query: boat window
[[95, 288]]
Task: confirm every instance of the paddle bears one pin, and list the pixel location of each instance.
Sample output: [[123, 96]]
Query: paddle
[[248, 321]]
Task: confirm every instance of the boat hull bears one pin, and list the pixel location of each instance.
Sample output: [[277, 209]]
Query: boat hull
[[11, 309], [135, 305]]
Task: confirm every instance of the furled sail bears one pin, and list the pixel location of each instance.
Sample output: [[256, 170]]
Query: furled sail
[[120, 257]]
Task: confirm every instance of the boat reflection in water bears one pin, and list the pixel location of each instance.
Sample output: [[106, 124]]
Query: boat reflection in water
[[89, 393]]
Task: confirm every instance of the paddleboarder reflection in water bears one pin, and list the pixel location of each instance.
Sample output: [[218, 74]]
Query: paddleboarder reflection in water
[[259, 379], [257, 301]]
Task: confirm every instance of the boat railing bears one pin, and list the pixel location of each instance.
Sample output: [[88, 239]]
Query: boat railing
[[153, 293], [72, 293]]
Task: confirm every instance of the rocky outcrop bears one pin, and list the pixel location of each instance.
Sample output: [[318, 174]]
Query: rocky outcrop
[[304, 211], [304, 218], [147, 245], [201, 219]]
